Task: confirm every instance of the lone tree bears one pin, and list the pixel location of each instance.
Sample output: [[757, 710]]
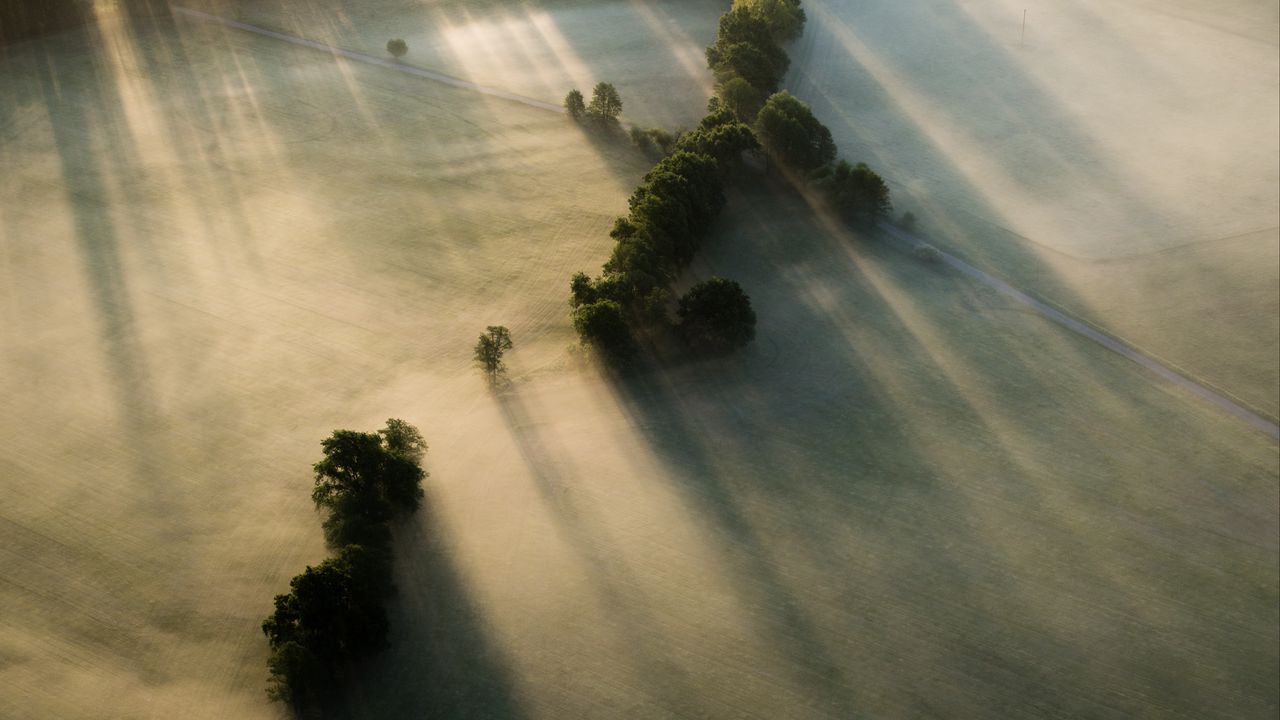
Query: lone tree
[[716, 316], [397, 48], [574, 104], [489, 350], [606, 104]]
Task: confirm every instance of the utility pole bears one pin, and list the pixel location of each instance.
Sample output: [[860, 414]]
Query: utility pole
[[1023, 34]]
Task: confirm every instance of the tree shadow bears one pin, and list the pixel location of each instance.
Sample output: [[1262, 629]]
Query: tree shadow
[[441, 662]]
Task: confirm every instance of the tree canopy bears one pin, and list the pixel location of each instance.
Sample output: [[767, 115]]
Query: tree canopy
[[857, 192], [367, 478], [490, 348], [605, 104], [574, 104], [716, 316], [397, 48], [745, 47], [602, 324], [788, 130]]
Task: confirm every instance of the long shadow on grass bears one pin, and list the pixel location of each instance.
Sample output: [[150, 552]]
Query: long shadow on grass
[[441, 662], [871, 416], [1013, 103]]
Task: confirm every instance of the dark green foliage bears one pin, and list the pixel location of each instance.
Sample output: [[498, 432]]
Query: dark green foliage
[[745, 48], [716, 316], [788, 130], [574, 104], [741, 98], [490, 348], [749, 62], [397, 48], [654, 141], [331, 617], [606, 104], [784, 18], [602, 325], [363, 474], [581, 291], [723, 143], [333, 613], [856, 192]]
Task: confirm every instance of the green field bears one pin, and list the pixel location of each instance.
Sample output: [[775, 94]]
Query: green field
[[1119, 160], [909, 498]]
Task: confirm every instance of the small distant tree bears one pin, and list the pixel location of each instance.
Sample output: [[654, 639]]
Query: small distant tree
[[716, 316], [574, 104], [606, 104], [397, 48], [490, 348]]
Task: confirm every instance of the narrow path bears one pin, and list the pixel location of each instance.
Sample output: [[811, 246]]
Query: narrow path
[[1258, 422], [369, 59]]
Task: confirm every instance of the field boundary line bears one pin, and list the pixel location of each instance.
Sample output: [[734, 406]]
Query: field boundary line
[[1220, 398], [370, 59]]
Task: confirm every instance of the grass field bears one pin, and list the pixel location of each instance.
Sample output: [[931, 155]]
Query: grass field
[[652, 51], [909, 497], [1121, 160]]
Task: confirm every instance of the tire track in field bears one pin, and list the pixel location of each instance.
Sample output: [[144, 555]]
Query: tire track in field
[[1214, 397], [370, 59]]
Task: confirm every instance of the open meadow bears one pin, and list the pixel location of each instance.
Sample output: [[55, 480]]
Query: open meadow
[[1122, 160], [910, 497]]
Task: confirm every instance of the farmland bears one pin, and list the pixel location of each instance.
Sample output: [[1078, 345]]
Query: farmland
[[908, 497]]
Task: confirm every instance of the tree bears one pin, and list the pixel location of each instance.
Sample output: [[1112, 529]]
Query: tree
[[601, 324], [370, 477], [397, 48], [740, 97], [606, 104], [857, 192], [784, 18], [722, 143], [489, 350], [787, 129], [745, 46], [331, 616], [574, 104], [750, 63], [716, 316]]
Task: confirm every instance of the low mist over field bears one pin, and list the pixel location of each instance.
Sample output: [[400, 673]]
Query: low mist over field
[[230, 228]]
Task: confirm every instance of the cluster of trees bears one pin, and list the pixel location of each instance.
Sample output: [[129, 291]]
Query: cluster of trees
[[747, 58], [748, 61], [605, 106], [334, 615], [670, 214]]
